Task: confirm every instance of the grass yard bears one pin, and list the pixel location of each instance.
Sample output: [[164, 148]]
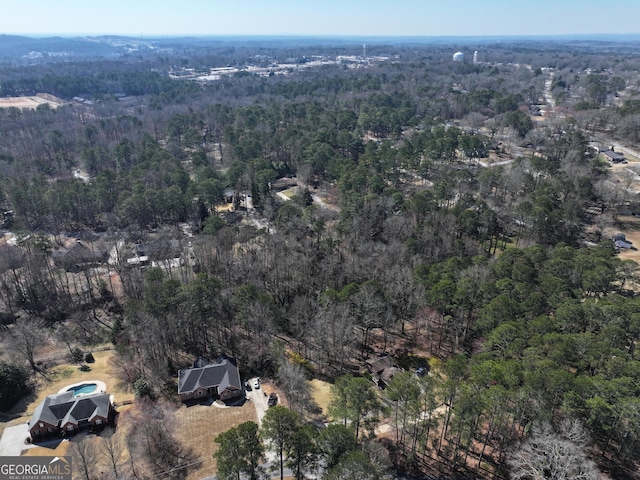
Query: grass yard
[[199, 425], [290, 192], [321, 394], [630, 226], [67, 374]]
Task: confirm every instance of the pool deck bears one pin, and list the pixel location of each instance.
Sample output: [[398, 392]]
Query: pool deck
[[101, 387]]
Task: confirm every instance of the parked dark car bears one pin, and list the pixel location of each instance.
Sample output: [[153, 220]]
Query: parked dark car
[[273, 400]]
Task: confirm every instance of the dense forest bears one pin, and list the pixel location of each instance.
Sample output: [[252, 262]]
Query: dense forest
[[437, 215]]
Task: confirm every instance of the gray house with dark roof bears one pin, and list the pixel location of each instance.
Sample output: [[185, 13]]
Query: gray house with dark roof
[[65, 414], [217, 380]]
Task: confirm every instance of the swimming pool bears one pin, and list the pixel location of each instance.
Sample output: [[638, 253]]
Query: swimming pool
[[82, 389]]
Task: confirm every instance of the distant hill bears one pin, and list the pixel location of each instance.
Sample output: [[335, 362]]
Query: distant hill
[[28, 50], [57, 48]]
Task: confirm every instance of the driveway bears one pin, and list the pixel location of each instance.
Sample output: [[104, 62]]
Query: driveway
[[13, 440], [259, 399]]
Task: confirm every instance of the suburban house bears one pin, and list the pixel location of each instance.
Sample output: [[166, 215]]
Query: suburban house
[[612, 156], [382, 370], [79, 257], [219, 380], [64, 414]]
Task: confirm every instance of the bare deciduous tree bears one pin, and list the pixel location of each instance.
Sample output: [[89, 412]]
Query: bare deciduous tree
[[156, 443], [26, 336], [558, 455], [295, 386], [85, 458], [112, 450]]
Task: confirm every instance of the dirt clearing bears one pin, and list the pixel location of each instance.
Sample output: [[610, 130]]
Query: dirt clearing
[[30, 102]]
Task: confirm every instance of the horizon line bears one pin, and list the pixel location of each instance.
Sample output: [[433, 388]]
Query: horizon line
[[313, 35]]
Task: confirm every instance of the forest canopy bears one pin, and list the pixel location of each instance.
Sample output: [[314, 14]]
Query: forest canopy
[[304, 219]]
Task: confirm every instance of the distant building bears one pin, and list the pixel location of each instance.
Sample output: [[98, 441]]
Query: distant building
[[382, 370], [623, 244], [612, 156], [458, 57]]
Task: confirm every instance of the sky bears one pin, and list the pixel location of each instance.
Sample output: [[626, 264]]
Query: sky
[[320, 17]]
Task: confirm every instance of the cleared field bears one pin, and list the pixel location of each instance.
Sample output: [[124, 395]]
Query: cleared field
[[630, 226], [288, 193], [29, 102]]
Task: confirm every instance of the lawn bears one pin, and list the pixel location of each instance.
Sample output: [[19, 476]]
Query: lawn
[[321, 394], [290, 192], [199, 425], [67, 374]]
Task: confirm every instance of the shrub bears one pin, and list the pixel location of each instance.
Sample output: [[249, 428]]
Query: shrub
[[142, 388], [84, 368], [212, 224], [89, 358]]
